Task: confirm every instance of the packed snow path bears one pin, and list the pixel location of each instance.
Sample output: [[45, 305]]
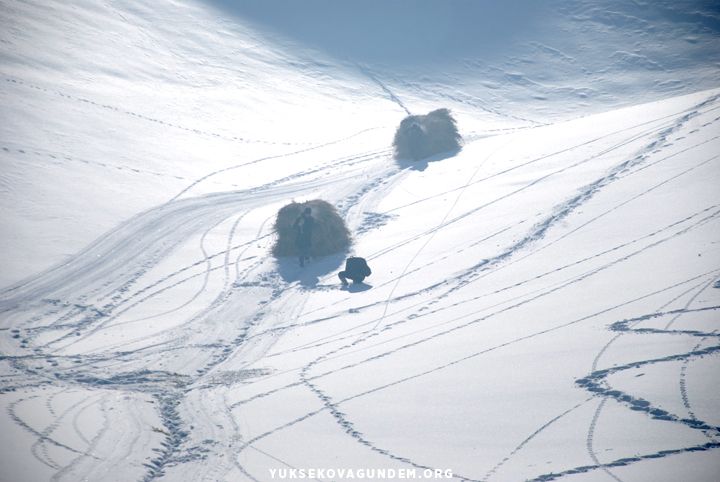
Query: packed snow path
[[549, 287]]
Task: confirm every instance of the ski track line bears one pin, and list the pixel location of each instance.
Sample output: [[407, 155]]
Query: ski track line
[[171, 286], [121, 110], [76, 426], [206, 260], [42, 437], [393, 97], [92, 444], [708, 285], [206, 310], [548, 223], [350, 430], [175, 284], [206, 177], [591, 434], [275, 458], [685, 309], [41, 443], [534, 434], [683, 389], [421, 341], [542, 227], [432, 233]]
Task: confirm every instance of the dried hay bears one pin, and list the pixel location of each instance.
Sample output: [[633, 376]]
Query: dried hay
[[329, 235], [421, 136]]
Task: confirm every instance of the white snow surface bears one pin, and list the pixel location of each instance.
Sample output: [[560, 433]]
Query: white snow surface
[[544, 303]]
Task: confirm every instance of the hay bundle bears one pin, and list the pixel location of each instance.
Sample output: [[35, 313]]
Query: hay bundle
[[421, 136], [329, 234]]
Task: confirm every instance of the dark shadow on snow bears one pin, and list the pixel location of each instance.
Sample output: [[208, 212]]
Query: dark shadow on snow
[[422, 164], [290, 271], [356, 287]]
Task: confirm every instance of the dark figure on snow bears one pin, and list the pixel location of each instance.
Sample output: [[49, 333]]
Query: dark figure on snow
[[356, 269], [303, 227], [415, 136]]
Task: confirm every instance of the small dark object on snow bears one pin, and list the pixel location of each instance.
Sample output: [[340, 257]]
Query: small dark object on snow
[[421, 136], [356, 269]]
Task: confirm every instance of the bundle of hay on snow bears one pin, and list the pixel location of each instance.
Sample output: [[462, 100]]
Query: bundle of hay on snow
[[329, 234], [421, 136]]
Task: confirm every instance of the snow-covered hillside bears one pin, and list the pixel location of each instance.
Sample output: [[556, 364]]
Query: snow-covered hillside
[[544, 303]]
